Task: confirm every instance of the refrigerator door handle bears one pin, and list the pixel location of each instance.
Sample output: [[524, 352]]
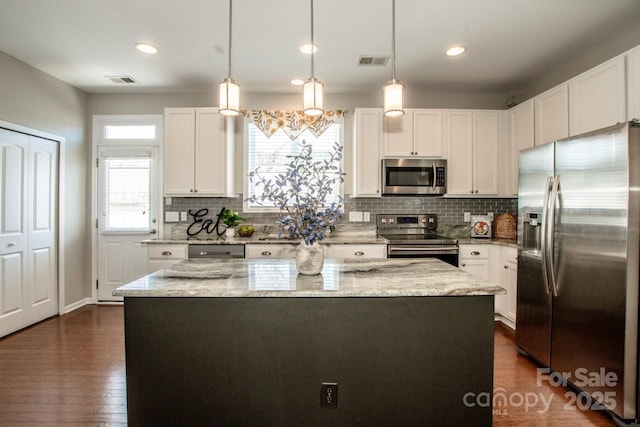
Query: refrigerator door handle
[[543, 235], [551, 235]]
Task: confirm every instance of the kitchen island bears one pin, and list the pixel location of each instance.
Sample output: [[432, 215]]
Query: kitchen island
[[249, 342]]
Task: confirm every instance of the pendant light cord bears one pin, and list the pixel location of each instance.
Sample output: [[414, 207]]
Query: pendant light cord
[[312, 44], [230, 21], [393, 40]]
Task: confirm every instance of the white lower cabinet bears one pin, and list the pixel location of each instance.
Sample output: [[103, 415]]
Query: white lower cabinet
[[164, 256], [356, 251], [270, 251], [474, 259], [346, 251], [499, 265], [508, 266]]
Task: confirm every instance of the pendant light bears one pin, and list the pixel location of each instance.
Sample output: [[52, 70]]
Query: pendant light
[[312, 89], [229, 89], [394, 90]]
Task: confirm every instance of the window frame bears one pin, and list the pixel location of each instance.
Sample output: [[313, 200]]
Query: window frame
[[245, 184]]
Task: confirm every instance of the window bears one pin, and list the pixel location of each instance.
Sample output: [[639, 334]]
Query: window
[[270, 155], [130, 131], [125, 191]]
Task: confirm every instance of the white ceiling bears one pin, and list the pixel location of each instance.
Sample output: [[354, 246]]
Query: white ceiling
[[509, 41]]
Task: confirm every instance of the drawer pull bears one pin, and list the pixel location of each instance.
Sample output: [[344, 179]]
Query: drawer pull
[[265, 253], [506, 266], [166, 253], [475, 253], [358, 253], [11, 244]]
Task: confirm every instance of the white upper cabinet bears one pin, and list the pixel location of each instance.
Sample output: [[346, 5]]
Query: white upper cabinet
[[417, 133], [367, 137], [521, 137], [633, 81], [472, 138], [597, 98], [198, 153], [552, 115]]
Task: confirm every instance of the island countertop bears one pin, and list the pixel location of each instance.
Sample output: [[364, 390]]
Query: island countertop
[[259, 278]]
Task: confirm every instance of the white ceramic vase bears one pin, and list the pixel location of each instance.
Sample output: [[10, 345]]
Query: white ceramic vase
[[230, 232], [309, 258]]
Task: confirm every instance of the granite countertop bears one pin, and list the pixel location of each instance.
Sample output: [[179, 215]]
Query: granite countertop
[[258, 278], [512, 243]]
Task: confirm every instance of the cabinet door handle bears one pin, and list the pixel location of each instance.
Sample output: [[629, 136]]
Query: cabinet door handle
[[191, 190], [471, 191], [463, 264], [475, 253], [506, 266], [11, 244], [358, 253], [265, 253], [165, 253]]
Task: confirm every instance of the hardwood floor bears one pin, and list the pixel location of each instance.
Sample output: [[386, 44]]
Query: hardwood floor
[[70, 371]]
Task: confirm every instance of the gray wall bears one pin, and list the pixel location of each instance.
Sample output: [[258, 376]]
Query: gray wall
[[36, 100]]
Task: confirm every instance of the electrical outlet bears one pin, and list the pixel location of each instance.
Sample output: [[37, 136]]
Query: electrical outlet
[[355, 216], [366, 216], [171, 216], [183, 216], [329, 395], [168, 201], [467, 217], [490, 215]]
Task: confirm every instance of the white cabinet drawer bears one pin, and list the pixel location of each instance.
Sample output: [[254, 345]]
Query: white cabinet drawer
[[356, 251], [474, 251], [167, 251], [270, 251]]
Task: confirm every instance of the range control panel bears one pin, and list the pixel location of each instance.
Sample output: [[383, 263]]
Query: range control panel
[[424, 221]]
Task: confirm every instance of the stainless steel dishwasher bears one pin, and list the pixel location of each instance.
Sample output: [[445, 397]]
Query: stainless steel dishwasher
[[216, 251]]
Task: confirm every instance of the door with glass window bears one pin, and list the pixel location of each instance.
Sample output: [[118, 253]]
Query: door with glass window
[[127, 214]]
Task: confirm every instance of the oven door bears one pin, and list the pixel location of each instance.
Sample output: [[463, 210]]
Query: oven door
[[446, 253], [413, 176]]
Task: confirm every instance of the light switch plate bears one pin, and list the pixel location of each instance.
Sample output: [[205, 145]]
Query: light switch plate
[[467, 217], [366, 216], [171, 217], [355, 216], [183, 216], [168, 201], [490, 215]]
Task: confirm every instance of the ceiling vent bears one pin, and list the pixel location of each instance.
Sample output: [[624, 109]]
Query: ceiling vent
[[373, 60], [122, 79]]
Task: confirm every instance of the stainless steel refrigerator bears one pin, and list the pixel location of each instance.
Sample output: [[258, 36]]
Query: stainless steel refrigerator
[[578, 262]]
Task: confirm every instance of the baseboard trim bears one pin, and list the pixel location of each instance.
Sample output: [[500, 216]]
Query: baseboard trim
[[76, 305]]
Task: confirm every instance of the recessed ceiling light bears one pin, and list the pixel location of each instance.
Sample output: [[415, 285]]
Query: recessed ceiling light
[[146, 48], [455, 50], [297, 82], [307, 48]]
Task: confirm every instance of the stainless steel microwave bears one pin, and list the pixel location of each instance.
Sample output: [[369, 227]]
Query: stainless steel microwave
[[426, 177]]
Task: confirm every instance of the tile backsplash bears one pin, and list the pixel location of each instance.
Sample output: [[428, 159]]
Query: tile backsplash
[[450, 211]]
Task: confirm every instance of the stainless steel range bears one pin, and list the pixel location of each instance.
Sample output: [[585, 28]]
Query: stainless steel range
[[414, 236]]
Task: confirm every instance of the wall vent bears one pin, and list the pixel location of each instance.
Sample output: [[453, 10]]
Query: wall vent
[[122, 79], [373, 60]]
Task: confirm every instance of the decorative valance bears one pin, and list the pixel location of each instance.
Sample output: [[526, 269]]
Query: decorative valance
[[293, 123]]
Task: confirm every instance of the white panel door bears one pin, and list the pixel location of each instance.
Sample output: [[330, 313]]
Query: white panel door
[[127, 209], [366, 155], [597, 98], [552, 114], [485, 153], [14, 290], [42, 222], [210, 153], [459, 128]]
